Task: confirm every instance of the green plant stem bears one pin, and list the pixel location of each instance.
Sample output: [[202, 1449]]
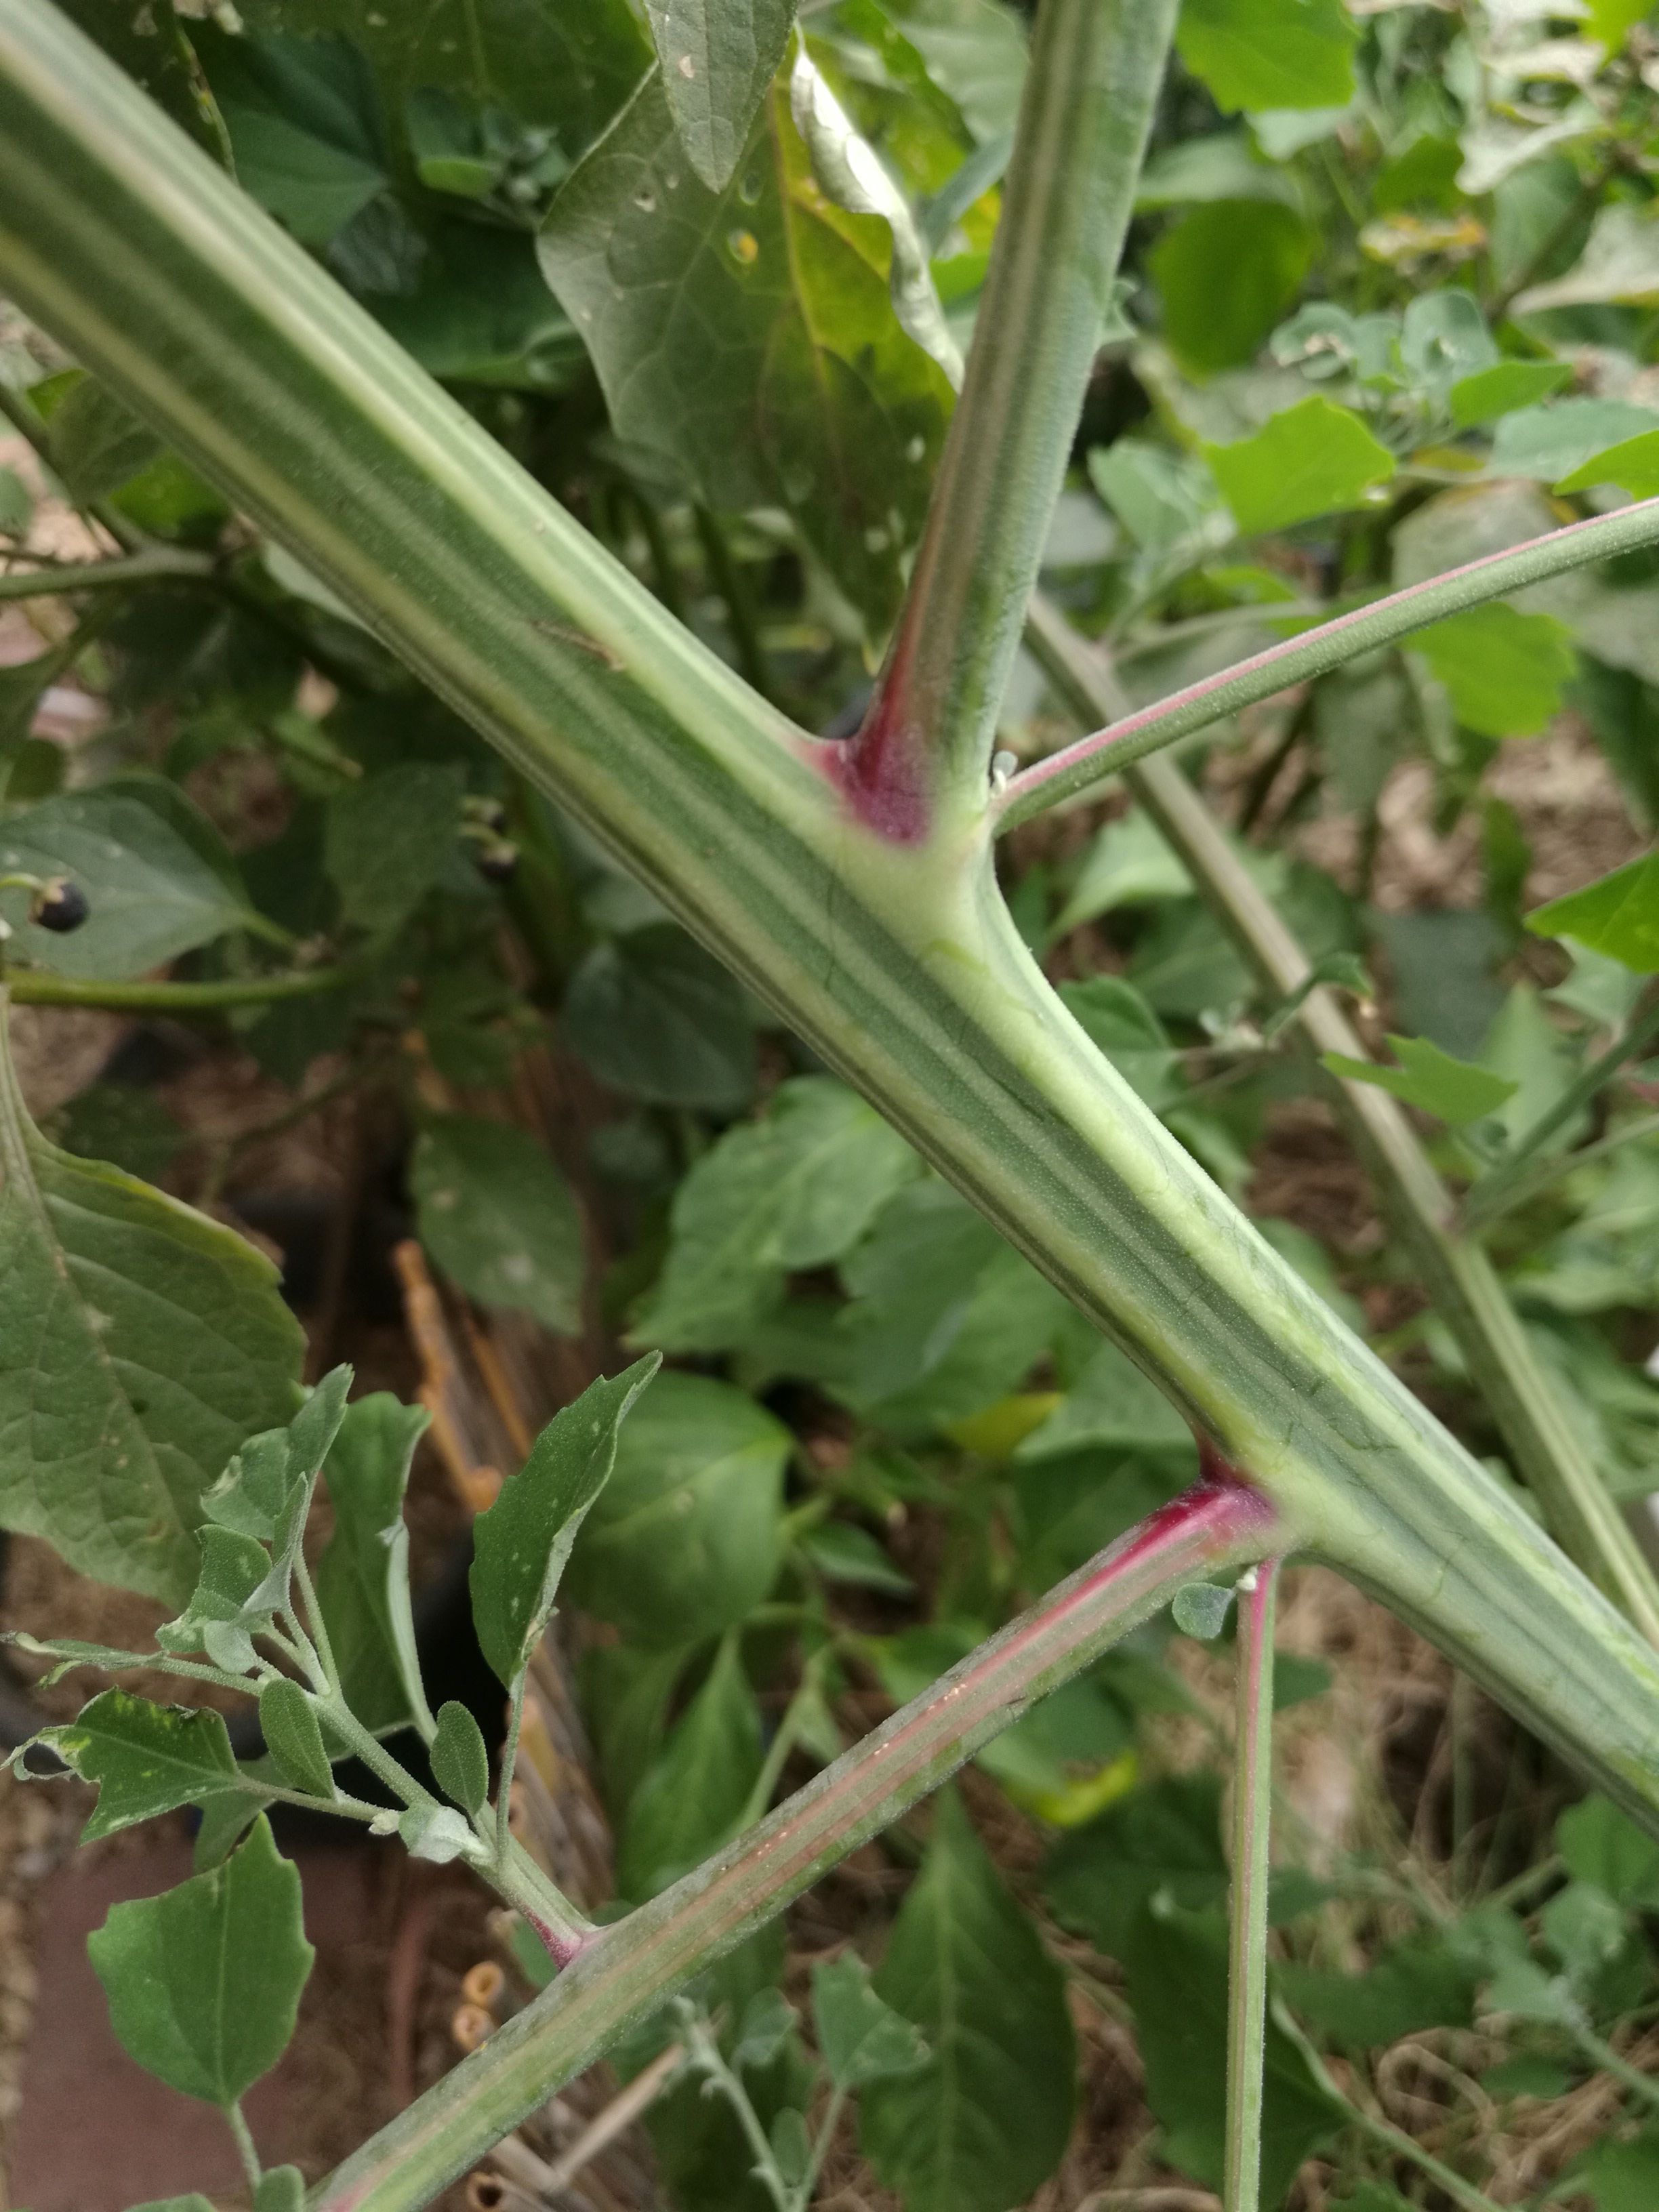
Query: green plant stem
[[316, 1625], [159, 563], [709, 2059], [1551, 1171], [1602, 2056], [1495, 1190], [1129, 737], [898, 963], [246, 2150], [1392, 2139], [1247, 1981], [34, 986], [1084, 115], [508, 1769], [630, 1968], [1458, 1275]]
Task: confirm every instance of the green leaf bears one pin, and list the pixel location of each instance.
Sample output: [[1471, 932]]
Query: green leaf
[[280, 2189], [1619, 264], [16, 503], [1621, 2176], [1552, 440], [109, 1438], [1111, 1403], [718, 57], [861, 2039], [363, 1576], [1224, 274], [387, 840], [1200, 1609], [1505, 387], [499, 1218], [1115, 1017], [655, 1015], [1270, 53], [1130, 862], [546, 63], [816, 400], [521, 1544], [1309, 459], [460, 1758], [974, 52], [1618, 915], [287, 1720], [1633, 464], [1177, 1965], [1504, 672], [203, 1983], [1603, 1845], [144, 1759], [1420, 1984], [96, 443], [119, 1122], [1457, 1090], [1165, 1835], [767, 2023], [694, 1794], [157, 882], [966, 1968], [150, 45], [686, 1538], [795, 1190], [844, 1554], [305, 127]]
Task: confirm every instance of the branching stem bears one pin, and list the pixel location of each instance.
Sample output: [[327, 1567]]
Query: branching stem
[[33, 987], [1132, 737]]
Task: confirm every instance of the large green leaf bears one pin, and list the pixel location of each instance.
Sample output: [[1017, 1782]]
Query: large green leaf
[[1166, 1836], [718, 56], [203, 1982], [1270, 53], [387, 840], [562, 68], [140, 1343], [1224, 274], [654, 1015], [1618, 915], [983, 2122], [1177, 1963], [685, 1537], [362, 1577], [1504, 672], [305, 127], [694, 1795], [748, 337], [499, 1218], [144, 1759], [157, 880], [1308, 460], [795, 1190], [520, 1545]]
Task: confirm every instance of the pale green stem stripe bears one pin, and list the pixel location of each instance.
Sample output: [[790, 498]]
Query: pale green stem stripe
[[1252, 1810], [1131, 737], [1547, 1448], [627, 1969]]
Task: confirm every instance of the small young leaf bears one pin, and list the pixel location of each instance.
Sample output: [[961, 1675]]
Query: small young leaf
[[1506, 385], [362, 1577], [521, 1544], [768, 2019], [1457, 1090], [1633, 464], [434, 1832], [203, 1982], [861, 2039], [280, 2189], [1618, 915], [792, 2145], [221, 1619], [499, 1218], [1601, 1844], [293, 1738], [460, 1758], [1200, 1609], [145, 1758], [1312, 459]]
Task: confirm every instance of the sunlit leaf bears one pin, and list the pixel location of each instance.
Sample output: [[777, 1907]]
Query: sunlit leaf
[[1456, 1091], [1270, 53], [1504, 672], [1633, 464], [1310, 459], [1618, 915], [1505, 387], [1224, 274], [144, 1759]]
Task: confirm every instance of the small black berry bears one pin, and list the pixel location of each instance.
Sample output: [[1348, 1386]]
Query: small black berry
[[61, 906], [496, 863]]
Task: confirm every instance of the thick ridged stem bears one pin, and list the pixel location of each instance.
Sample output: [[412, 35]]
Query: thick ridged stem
[[1457, 1275], [1128, 737], [627, 1969], [1086, 111]]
